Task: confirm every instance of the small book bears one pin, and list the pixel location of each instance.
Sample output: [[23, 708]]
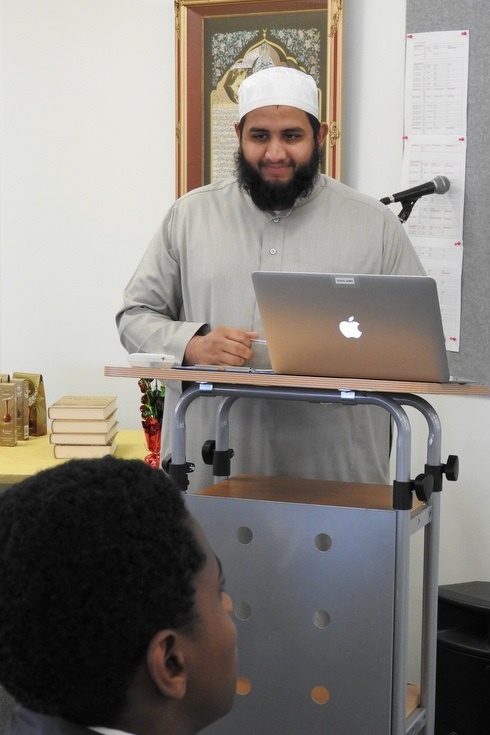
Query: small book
[[84, 426], [87, 451], [82, 407], [88, 439]]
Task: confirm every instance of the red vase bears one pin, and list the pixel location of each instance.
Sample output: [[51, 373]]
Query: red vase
[[153, 436]]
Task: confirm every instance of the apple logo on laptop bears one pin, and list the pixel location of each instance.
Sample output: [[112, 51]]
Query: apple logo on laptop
[[350, 328]]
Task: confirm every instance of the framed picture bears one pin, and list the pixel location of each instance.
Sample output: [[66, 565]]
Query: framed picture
[[219, 43]]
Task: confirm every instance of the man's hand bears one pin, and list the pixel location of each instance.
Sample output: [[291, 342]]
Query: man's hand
[[221, 346]]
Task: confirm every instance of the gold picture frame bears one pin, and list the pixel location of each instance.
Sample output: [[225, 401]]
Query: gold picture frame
[[218, 42]]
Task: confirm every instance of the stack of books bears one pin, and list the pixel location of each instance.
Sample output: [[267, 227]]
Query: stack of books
[[83, 426]]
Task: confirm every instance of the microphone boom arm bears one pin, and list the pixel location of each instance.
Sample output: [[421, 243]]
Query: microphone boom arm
[[406, 209], [407, 206]]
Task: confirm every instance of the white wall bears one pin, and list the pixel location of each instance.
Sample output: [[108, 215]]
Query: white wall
[[87, 172]]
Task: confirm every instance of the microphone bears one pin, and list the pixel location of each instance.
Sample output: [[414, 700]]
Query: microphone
[[439, 185]]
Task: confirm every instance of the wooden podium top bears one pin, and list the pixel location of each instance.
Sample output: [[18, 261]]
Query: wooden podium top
[[194, 375]]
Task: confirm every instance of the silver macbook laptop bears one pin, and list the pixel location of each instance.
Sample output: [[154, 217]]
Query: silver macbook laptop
[[352, 326]]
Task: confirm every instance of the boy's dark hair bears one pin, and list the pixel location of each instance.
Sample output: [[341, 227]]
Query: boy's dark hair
[[96, 556]]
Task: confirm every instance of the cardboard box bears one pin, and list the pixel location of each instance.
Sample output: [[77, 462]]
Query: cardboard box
[[22, 386], [4, 377], [8, 414]]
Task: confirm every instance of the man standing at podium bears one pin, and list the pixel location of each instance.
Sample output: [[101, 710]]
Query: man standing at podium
[[192, 295]]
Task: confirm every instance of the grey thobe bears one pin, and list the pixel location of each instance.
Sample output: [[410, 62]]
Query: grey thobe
[[195, 276]]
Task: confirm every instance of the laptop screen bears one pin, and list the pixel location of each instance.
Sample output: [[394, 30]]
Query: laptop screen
[[352, 325]]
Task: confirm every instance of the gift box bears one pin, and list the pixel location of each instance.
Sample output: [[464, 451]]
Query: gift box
[[8, 414]]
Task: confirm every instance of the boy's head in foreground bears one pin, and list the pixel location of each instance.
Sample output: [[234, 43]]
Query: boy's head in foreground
[[112, 608]]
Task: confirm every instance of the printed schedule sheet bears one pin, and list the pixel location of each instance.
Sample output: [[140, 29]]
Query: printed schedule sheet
[[435, 121]]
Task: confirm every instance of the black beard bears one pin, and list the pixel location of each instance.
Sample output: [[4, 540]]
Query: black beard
[[271, 197]]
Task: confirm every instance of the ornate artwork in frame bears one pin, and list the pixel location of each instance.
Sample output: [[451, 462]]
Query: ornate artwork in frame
[[219, 43]]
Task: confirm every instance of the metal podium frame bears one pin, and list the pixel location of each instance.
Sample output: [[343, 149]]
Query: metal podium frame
[[424, 715], [393, 396]]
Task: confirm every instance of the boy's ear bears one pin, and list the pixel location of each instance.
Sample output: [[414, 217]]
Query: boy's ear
[[166, 664]]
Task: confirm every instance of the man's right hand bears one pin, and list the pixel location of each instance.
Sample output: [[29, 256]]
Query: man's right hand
[[221, 346]]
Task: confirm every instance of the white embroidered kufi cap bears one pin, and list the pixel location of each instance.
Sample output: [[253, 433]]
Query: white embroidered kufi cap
[[278, 85]]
